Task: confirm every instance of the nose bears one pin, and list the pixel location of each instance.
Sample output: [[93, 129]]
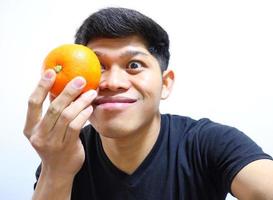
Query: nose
[[114, 79]]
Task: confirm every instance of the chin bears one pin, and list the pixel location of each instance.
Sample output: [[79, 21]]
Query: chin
[[115, 132], [115, 127]]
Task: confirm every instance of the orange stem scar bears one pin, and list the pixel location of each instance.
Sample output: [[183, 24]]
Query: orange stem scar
[[58, 68]]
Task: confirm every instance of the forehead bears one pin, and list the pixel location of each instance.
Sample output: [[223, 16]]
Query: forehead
[[119, 45]]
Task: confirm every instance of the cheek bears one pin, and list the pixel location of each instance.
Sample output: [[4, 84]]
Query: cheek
[[149, 85]]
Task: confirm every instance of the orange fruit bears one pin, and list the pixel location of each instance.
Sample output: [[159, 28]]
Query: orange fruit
[[69, 61]]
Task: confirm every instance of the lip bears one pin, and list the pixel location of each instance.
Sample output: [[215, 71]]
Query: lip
[[113, 103]]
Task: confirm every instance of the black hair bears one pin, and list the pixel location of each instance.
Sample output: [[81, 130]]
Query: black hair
[[121, 22]]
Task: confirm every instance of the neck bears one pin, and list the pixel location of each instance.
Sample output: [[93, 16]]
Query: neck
[[127, 153]]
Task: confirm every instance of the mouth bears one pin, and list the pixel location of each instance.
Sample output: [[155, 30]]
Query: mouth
[[113, 103]]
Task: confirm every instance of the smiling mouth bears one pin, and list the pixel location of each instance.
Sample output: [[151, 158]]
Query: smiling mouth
[[113, 101]]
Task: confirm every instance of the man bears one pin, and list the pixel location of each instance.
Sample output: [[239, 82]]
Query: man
[[130, 150]]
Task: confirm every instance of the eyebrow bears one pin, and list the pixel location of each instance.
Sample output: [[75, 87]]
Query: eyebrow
[[129, 53]]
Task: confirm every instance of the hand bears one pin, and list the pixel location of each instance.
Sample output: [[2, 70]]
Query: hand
[[55, 136]]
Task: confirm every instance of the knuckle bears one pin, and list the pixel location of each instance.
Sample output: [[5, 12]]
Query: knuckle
[[66, 116], [41, 86], [53, 110], [44, 85], [26, 132], [69, 94], [85, 101], [73, 127], [37, 142], [34, 101], [43, 145]]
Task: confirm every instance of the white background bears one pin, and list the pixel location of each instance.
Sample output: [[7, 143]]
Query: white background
[[221, 51]]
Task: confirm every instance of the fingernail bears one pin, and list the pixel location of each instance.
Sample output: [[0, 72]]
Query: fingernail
[[78, 83], [48, 75], [90, 94]]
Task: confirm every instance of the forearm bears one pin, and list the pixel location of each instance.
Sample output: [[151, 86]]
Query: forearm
[[50, 187]]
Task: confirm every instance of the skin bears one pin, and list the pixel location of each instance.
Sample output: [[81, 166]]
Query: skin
[[254, 181], [125, 112]]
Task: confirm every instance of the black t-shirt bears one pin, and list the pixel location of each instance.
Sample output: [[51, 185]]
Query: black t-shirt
[[191, 160]]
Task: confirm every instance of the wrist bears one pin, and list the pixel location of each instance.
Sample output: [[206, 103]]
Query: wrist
[[56, 173], [53, 186], [57, 179]]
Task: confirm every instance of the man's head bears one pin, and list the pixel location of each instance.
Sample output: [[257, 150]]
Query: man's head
[[122, 22], [133, 52]]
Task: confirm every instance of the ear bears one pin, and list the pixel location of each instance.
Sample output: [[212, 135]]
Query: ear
[[167, 83]]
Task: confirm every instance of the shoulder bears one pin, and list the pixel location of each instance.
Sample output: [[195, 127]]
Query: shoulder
[[201, 128], [180, 123], [218, 140], [220, 144]]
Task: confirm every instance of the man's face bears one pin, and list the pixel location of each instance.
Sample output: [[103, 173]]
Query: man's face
[[130, 88]]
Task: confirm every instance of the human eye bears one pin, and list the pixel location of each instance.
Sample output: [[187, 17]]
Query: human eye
[[135, 66]]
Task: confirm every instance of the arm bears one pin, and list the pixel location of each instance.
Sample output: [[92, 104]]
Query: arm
[[55, 136], [53, 187], [254, 181]]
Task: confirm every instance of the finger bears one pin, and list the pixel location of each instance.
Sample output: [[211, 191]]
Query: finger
[[51, 97], [36, 99], [70, 113], [68, 95], [74, 128]]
